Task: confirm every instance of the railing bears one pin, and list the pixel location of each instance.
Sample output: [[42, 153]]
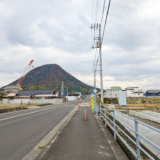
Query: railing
[[103, 115]]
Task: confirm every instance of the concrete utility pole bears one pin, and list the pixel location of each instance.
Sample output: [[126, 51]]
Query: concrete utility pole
[[100, 54], [99, 45], [95, 79], [62, 88], [67, 91]]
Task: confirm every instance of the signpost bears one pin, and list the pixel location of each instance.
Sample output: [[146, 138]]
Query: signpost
[[95, 104], [92, 102]]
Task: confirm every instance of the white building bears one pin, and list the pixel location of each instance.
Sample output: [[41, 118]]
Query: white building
[[134, 92], [113, 92]]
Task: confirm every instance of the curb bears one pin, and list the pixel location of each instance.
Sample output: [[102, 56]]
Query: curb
[[35, 152]]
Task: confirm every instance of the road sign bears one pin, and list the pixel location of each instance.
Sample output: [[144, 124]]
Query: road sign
[[92, 102]]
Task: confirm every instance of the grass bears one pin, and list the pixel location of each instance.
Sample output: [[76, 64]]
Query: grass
[[133, 108], [41, 147]]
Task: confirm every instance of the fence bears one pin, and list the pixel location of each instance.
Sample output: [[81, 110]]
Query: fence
[[134, 129]]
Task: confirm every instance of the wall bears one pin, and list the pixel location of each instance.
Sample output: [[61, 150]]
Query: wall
[[122, 98], [71, 98], [36, 101]]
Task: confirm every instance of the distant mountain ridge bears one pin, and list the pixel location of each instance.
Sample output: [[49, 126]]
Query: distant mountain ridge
[[50, 76]]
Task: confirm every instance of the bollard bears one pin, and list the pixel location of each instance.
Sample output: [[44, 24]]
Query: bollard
[[85, 115]]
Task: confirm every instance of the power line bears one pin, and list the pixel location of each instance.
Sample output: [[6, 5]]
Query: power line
[[105, 20], [103, 10]]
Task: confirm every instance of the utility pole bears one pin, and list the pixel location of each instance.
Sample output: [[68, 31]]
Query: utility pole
[[100, 54], [95, 79], [98, 45], [62, 88], [67, 91]]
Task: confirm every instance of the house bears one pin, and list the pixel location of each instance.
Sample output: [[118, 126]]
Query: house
[[134, 92], [153, 93], [113, 92], [13, 88], [99, 94], [36, 94]]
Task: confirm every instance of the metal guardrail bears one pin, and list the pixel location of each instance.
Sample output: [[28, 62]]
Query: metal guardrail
[[103, 116]]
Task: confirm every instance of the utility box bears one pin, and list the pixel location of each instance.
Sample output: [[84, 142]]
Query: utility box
[[122, 99]]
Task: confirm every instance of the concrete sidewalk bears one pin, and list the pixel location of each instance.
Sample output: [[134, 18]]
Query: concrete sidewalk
[[81, 140]]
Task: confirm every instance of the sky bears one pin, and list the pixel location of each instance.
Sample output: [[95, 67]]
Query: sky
[[57, 32]]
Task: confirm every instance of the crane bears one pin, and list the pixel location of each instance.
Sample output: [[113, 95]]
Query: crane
[[24, 74]]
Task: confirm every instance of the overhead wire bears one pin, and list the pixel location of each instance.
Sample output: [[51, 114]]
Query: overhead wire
[[105, 21], [104, 28], [103, 11]]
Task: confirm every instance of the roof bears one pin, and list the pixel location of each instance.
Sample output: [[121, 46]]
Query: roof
[[153, 91], [137, 92], [33, 92], [116, 88], [12, 87], [130, 88]]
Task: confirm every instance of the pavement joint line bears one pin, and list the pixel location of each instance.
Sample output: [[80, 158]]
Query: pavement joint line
[[26, 114], [35, 152]]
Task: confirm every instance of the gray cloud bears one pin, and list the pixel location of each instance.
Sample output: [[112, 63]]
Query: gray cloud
[[58, 32]]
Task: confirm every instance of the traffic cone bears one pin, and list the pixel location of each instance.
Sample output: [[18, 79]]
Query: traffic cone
[[78, 104]]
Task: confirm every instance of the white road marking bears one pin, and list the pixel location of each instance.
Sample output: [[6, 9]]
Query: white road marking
[[59, 105], [26, 114]]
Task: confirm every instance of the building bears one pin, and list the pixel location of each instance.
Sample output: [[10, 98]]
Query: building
[[13, 88], [153, 93], [113, 92], [72, 97], [36, 94], [134, 92]]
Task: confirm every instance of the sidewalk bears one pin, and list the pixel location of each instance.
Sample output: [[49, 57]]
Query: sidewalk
[[81, 140]]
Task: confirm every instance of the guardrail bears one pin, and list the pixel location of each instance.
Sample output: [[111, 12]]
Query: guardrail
[[103, 115]]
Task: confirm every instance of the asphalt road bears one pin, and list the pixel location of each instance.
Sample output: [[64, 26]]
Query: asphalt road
[[20, 131]]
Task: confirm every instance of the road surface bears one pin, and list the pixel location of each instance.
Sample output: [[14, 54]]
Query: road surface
[[20, 131]]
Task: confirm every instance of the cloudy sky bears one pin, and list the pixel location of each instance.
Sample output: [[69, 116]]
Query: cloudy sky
[[57, 32]]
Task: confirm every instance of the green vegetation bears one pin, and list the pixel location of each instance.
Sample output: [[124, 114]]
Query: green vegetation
[[41, 147], [50, 77], [143, 100]]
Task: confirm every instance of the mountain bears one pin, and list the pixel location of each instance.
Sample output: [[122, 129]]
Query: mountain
[[50, 76]]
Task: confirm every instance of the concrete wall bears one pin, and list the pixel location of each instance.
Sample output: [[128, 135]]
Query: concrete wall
[[36, 101], [71, 98]]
